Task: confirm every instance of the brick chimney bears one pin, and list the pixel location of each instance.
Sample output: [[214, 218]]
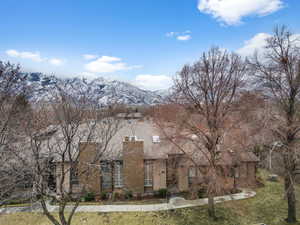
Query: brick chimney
[[89, 173], [133, 164]]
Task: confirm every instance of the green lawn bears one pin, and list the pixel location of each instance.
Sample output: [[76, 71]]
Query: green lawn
[[267, 207]]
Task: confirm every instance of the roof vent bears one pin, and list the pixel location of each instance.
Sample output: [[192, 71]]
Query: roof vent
[[130, 138], [155, 139]]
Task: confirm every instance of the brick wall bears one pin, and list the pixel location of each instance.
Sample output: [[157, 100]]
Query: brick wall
[[133, 165], [182, 174], [89, 175], [247, 174]]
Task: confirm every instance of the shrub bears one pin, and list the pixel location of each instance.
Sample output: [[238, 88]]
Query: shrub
[[161, 193], [128, 194], [103, 195], [115, 196], [89, 196], [201, 193]]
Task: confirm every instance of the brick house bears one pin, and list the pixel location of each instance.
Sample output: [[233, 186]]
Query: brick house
[[142, 161]]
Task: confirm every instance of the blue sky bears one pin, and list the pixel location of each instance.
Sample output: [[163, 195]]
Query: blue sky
[[142, 42]]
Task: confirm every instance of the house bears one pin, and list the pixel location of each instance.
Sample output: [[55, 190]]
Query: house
[[128, 116], [141, 160]]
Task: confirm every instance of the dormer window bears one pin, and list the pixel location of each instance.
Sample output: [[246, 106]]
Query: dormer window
[[155, 139]]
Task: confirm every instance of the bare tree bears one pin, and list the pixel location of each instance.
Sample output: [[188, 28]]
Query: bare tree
[[13, 106], [74, 124], [278, 71], [205, 96]]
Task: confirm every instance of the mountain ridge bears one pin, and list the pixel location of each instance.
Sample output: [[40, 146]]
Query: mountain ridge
[[101, 90]]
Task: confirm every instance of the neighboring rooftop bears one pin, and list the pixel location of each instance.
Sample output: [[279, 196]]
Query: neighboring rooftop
[[136, 115]]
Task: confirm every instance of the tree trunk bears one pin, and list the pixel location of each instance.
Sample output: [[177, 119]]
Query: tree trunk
[[211, 206], [61, 213], [48, 214], [291, 198]]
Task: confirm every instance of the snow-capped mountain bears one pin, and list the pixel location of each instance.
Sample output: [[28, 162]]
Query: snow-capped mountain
[[101, 90]]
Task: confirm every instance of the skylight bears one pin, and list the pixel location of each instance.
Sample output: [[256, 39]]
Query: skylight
[[155, 139]]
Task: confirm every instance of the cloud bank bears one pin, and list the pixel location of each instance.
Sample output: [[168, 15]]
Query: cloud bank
[[231, 12], [258, 43], [107, 64], [152, 82], [34, 56]]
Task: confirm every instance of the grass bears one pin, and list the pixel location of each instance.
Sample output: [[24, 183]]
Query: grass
[[16, 205], [267, 207]]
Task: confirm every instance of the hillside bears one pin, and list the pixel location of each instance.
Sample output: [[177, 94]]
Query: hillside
[[100, 90]]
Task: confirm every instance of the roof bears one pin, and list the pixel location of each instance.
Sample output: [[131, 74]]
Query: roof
[[136, 115], [145, 131], [155, 145]]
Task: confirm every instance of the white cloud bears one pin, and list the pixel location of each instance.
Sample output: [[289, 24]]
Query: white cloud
[[184, 37], [108, 64], [152, 82], [89, 56], [259, 42], [88, 75], [171, 34], [232, 11], [56, 61], [34, 56], [180, 36]]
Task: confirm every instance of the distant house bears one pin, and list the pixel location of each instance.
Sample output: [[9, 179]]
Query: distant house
[[142, 161], [128, 116]]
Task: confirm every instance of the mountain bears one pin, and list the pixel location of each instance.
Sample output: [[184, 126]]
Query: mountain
[[100, 90]]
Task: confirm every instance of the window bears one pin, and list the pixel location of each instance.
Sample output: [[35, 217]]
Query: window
[[106, 175], [74, 175], [118, 174], [191, 174], [148, 181], [155, 139], [234, 172]]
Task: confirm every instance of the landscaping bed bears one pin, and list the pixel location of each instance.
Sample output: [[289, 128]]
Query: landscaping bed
[[268, 206]]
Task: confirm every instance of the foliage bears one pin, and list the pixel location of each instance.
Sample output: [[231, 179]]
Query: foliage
[[161, 193], [202, 193], [128, 194], [267, 207], [115, 196], [89, 196], [103, 195]]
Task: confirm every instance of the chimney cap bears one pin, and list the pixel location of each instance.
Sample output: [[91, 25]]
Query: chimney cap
[[130, 138]]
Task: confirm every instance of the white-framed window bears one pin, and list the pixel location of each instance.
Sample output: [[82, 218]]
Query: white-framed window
[[106, 175], [118, 174], [192, 173], [155, 139], [148, 181]]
